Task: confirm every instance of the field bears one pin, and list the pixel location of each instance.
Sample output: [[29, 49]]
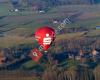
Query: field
[[17, 28], [14, 26], [17, 75]]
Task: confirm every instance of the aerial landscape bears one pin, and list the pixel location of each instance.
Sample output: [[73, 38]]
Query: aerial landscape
[[75, 50]]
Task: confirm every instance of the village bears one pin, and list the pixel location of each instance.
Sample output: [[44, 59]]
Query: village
[[13, 56], [73, 55]]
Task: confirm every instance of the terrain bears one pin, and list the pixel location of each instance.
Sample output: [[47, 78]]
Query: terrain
[[60, 62], [23, 23]]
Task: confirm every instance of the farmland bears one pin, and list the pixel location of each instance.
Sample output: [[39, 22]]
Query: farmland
[[25, 22], [79, 37]]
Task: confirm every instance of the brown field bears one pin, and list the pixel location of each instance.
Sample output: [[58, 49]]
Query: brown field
[[89, 15], [17, 75], [9, 41]]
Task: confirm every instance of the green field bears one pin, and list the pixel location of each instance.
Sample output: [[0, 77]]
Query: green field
[[23, 23]]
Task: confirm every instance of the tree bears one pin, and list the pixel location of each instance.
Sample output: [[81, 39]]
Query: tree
[[51, 70], [15, 3]]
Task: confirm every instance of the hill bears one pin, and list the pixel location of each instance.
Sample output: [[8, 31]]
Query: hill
[[23, 23], [69, 54]]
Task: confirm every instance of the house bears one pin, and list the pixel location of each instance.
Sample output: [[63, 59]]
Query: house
[[94, 52], [2, 57], [41, 11], [35, 7], [16, 10], [80, 54], [55, 21], [95, 55]]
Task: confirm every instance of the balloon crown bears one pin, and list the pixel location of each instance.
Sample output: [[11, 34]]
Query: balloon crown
[[47, 35]]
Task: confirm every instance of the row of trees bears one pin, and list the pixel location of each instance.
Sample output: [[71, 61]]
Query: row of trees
[[72, 46], [73, 73], [84, 43], [56, 73], [57, 2], [72, 70], [44, 4]]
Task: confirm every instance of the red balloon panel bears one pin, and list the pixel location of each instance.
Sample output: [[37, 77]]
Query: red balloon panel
[[45, 36], [35, 54]]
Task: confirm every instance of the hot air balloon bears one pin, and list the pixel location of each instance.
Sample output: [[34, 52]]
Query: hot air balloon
[[45, 36]]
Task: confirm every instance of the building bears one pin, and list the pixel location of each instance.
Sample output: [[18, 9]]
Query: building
[[97, 27], [2, 57], [94, 52]]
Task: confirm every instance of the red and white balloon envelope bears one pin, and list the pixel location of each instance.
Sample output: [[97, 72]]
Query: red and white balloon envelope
[[45, 36]]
